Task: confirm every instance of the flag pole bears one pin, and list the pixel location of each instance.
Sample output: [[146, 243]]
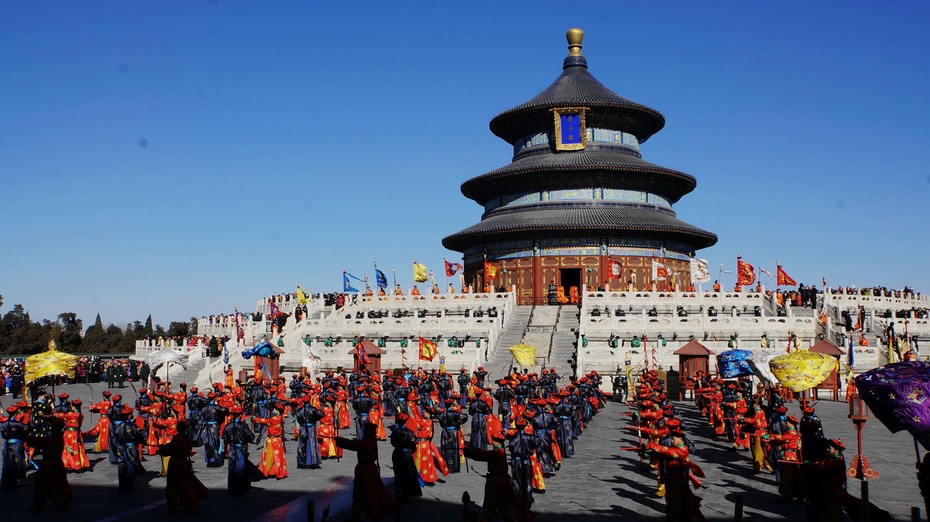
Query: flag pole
[[446, 271], [394, 271]]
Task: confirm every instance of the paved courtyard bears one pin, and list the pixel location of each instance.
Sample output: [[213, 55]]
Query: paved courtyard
[[598, 483]]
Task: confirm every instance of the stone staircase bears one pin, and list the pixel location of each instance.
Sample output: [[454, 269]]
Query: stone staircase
[[563, 341], [192, 375], [552, 330], [501, 360]]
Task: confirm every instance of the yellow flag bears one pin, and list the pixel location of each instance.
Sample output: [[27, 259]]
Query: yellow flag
[[419, 273], [301, 296], [524, 354]]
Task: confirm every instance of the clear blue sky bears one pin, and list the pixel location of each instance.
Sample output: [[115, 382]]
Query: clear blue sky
[[180, 158]]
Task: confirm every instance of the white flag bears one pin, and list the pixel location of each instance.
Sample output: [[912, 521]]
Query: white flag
[[660, 272], [699, 271]]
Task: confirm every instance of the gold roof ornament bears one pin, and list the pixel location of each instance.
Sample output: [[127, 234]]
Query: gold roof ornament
[[574, 37]]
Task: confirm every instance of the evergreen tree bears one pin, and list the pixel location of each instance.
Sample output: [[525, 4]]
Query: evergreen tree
[[147, 330], [95, 338], [71, 328]]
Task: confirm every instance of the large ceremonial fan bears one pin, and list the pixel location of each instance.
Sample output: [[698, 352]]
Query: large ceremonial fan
[[758, 361], [803, 369], [262, 349], [899, 396], [51, 362], [167, 355], [732, 363]]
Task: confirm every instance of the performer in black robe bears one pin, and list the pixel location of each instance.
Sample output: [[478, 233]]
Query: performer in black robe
[[451, 421], [116, 419], [479, 411], [404, 442], [126, 445], [15, 463], [195, 403], [51, 480], [362, 406], [522, 446], [240, 471], [544, 422], [308, 447], [212, 416], [564, 412]]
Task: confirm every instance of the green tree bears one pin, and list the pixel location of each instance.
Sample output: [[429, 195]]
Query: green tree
[[20, 335], [95, 338], [179, 329], [147, 330], [71, 329]]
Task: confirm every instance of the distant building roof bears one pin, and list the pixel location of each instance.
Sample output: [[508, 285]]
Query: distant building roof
[[619, 220], [576, 87], [370, 348], [693, 347], [597, 168]]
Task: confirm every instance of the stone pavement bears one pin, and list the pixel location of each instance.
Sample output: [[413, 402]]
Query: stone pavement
[[598, 483]]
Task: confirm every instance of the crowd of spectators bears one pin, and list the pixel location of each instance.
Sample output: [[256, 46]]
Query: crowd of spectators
[[12, 378], [174, 342], [879, 291], [224, 319]]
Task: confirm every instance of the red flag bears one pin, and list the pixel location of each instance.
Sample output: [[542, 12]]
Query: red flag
[[452, 268], [427, 349], [745, 273], [275, 311], [616, 269], [490, 270], [783, 279]]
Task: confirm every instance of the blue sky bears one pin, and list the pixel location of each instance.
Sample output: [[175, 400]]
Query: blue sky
[[180, 158]]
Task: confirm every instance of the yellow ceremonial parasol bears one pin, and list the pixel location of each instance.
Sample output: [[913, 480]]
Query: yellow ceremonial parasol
[[51, 362], [523, 353], [803, 369]]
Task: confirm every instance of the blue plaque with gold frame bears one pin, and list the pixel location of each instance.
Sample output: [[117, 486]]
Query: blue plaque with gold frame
[[570, 128]]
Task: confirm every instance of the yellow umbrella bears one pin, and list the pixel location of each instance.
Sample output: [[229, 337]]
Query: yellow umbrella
[[523, 353], [51, 362], [803, 369]]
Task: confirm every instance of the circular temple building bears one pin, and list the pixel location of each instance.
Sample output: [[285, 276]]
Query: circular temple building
[[578, 205]]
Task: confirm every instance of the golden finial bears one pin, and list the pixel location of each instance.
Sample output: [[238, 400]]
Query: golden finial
[[574, 37]]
